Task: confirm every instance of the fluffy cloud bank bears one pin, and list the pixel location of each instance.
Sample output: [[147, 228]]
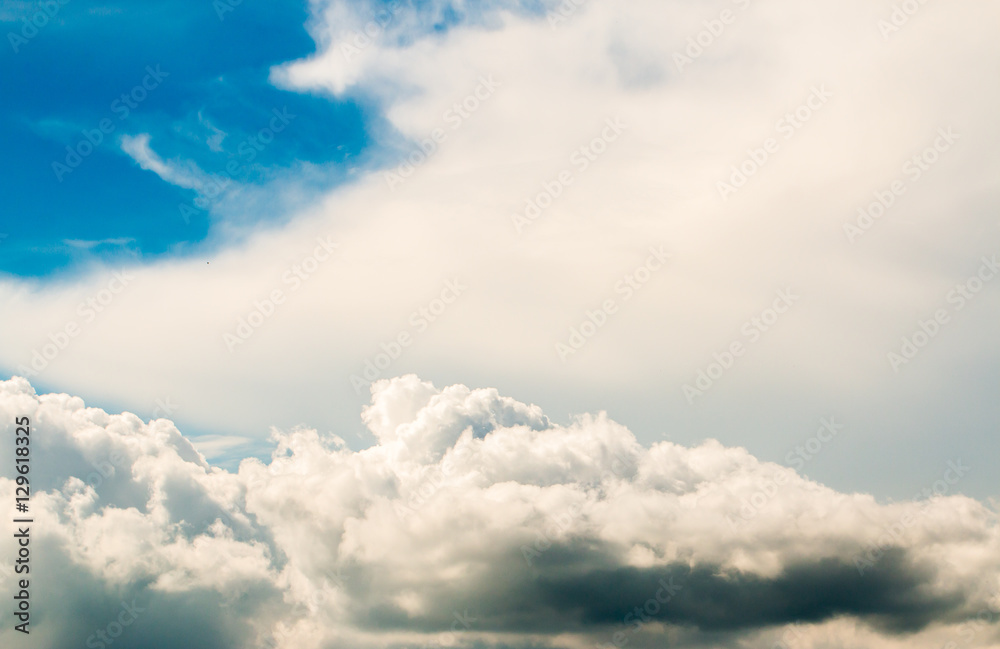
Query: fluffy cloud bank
[[475, 521]]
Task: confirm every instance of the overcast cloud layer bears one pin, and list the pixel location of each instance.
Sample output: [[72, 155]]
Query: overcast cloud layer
[[475, 521]]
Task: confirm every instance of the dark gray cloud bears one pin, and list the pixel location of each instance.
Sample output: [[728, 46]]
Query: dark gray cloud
[[576, 588], [72, 607], [897, 597]]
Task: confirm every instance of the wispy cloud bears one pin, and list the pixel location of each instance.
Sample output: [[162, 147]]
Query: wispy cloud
[[217, 446], [214, 141], [183, 174], [97, 243], [14, 10]]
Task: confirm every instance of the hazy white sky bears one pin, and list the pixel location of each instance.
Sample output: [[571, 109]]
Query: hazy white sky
[[560, 154]]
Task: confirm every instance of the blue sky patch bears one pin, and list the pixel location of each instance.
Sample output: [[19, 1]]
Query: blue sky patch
[[94, 89]]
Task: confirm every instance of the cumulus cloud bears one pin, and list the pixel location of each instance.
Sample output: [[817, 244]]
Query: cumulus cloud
[[475, 521]]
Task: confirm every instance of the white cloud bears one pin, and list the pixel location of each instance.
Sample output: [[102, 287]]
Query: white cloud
[[474, 504], [137, 147], [214, 446], [85, 244]]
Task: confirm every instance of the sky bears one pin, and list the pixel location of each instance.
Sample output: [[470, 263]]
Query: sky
[[268, 271]]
